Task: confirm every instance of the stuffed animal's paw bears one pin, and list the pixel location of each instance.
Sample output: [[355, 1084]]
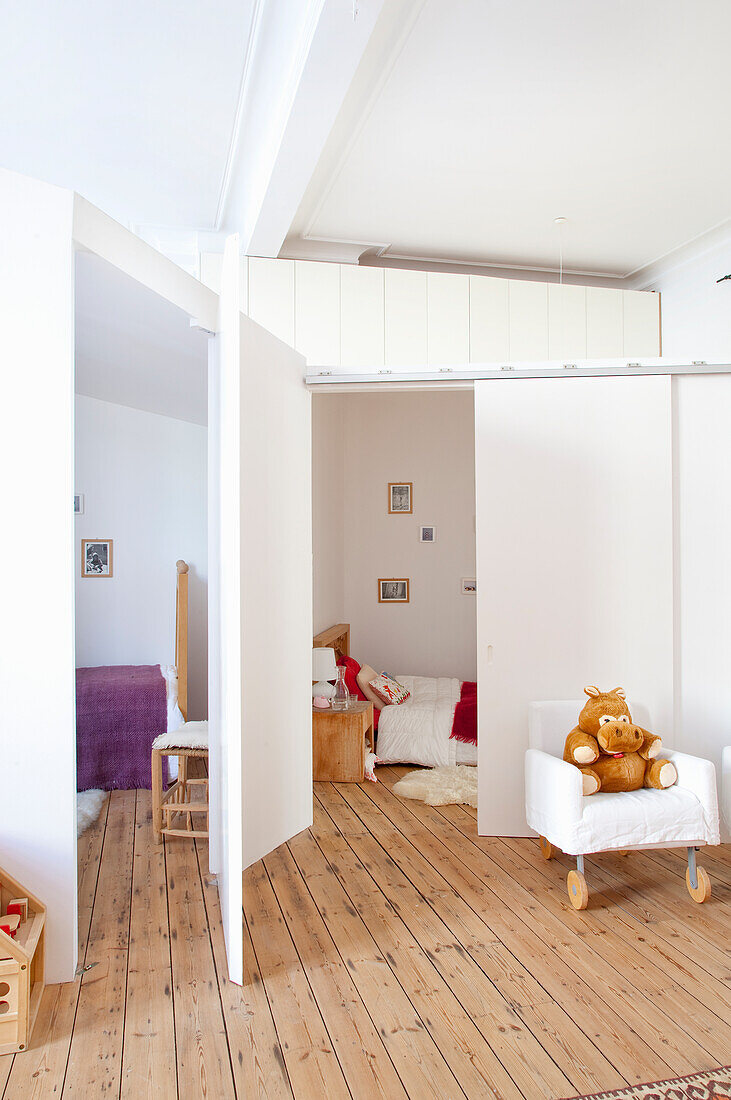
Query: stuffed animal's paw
[[590, 783], [668, 775], [661, 774], [585, 754]]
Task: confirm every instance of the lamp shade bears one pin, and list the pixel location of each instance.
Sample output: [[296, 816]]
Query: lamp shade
[[323, 664]]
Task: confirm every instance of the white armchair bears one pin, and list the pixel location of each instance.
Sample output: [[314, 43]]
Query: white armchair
[[683, 815]]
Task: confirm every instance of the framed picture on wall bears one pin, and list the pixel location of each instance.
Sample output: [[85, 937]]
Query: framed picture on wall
[[393, 590], [78, 504], [96, 557], [400, 498], [469, 586], [427, 534]]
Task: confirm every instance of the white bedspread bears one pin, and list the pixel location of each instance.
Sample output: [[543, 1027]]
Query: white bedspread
[[175, 717], [417, 731]]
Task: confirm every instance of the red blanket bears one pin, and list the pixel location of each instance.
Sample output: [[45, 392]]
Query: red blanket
[[464, 726]]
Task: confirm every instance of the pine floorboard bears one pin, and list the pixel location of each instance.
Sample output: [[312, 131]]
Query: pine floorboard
[[390, 952]]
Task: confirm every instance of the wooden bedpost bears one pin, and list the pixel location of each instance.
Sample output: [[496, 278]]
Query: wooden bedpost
[[181, 636]]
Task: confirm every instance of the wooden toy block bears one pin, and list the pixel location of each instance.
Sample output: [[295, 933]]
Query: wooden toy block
[[22, 963], [19, 906]]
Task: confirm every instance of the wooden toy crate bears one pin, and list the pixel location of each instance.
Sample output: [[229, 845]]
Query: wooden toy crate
[[22, 962]]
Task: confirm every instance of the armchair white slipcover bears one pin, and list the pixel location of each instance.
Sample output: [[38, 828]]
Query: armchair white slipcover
[[683, 815]]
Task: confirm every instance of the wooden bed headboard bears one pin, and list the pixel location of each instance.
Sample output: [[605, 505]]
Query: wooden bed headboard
[[181, 635], [335, 637]]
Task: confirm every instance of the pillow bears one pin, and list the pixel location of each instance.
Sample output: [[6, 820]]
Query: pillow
[[390, 691], [364, 678], [352, 668]]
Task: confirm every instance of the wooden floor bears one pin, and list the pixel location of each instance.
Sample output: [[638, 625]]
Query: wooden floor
[[390, 952]]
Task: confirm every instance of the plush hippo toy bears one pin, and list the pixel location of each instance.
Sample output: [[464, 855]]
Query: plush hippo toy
[[611, 752]]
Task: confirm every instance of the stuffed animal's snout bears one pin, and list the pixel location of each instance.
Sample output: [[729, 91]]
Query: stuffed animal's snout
[[617, 737]]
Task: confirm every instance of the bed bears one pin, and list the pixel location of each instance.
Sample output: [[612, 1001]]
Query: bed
[[419, 730], [121, 709]]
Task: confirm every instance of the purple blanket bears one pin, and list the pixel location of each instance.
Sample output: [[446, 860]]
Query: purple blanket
[[120, 710]]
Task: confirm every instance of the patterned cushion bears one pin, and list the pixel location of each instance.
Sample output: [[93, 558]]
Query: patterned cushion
[[389, 690]]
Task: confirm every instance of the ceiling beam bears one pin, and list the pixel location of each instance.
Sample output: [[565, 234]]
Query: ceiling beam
[[299, 67]]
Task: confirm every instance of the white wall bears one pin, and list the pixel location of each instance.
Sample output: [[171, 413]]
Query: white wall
[[328, 520], [143, 477], [38, 804], [696, 310], [426, 438]]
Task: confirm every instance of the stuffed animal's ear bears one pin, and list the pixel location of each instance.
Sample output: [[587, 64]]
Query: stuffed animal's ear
[[619, 692], [593, 691]]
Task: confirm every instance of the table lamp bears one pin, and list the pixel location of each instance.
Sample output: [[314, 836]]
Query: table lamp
[[324, 668]]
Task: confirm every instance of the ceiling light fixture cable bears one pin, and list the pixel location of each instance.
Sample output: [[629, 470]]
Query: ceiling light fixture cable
[[560, 223]]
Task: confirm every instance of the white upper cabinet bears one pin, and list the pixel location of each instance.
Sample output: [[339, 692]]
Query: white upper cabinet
[[604, 323], [489, 320], [641, 323], [528, 320], [448, 319], [351, 318], [566, 322], [362, 292], [406, 318], [271, 296], [317, 312]]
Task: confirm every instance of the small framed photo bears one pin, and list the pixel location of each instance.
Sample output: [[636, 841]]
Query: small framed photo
[[427, 534], [78, 504], [96, 557], [469, 586], [393, 590], [400, 498]]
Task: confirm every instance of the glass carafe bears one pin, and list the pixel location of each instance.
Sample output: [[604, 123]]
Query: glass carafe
[[341, 697]]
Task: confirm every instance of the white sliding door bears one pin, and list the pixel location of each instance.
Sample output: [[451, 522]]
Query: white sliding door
[[261, 600], [574, 560], [703, 546]]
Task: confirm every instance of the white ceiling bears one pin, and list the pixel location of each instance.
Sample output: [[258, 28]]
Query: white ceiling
[[464, 139], [134, 348], [462, 129], [132, 104]]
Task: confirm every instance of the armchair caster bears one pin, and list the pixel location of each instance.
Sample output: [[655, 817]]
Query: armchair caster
[[697, 880], [702, 891], [578, 890], [546, 847]]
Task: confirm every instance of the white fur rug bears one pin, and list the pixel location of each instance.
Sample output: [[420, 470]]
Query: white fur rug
[[440, 786], [88, 808]]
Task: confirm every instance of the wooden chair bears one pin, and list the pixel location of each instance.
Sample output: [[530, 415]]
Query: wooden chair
[[173, 809]]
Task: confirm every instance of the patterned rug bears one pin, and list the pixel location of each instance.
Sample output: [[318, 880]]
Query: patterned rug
[[712, 1084]]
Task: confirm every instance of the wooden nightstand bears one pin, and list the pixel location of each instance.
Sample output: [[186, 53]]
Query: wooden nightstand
[[339, 743]]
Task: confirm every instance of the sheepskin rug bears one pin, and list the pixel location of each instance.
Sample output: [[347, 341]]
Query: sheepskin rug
[[88, 808], [441, 786]]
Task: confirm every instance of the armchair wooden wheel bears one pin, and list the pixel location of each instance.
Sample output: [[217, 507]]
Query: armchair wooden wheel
[[578, 890], [702, 891], [546, 847]]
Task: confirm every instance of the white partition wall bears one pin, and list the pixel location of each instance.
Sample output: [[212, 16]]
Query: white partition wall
[[276, 593], [260, 599], [224, 611], [574, 560], [38, 803]]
